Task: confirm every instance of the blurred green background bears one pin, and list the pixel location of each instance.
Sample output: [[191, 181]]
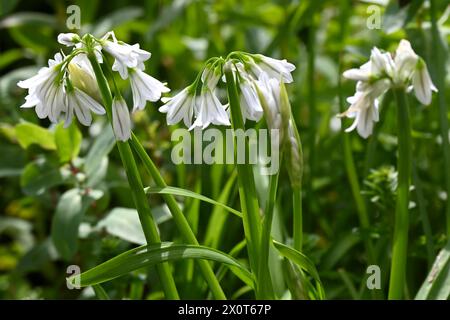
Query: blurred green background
[[39, 167]]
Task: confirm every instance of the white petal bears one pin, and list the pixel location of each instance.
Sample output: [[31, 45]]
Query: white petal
[[89, 102]]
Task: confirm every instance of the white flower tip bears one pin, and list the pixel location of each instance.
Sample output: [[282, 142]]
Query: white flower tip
[[68, 39]]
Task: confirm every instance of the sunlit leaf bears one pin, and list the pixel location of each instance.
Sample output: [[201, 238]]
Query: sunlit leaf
[[146, 256]]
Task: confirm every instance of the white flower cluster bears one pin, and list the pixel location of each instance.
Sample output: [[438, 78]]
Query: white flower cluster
[[68, 85], [198, 105], [382, 72]]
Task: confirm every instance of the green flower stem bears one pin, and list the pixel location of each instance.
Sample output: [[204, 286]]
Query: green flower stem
[[439, 68], [137, 189], [400, 241], [298, 218], [267, 288], [179, 218], [247, 190]]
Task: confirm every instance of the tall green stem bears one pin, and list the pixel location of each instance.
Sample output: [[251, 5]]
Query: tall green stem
[[439, 69], [137, 190], [247, 190], [266, 237], [178, 217], [400, 241]]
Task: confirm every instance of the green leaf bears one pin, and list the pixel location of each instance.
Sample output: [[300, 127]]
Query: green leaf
[[124, 223], [69, 212], [437, 284], [396, 17], [28, 133], [187, 193], [9, 57], [37, 257], [100, 292], [41, 175], [68, 142], [26, 18], [115, 19], [302, 261], [150, 255], [100, 149]]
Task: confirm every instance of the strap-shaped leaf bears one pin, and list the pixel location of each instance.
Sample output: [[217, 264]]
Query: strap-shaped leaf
[[146, 256], [437, 284], [302, 261], [187, 193]]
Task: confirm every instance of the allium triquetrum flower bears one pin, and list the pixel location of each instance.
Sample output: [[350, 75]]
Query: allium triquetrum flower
[[200, 102], [68, 85], [381, 73]]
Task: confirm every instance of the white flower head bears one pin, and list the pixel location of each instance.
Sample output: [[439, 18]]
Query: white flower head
[[121, 119], [145, 88], [379, 74]]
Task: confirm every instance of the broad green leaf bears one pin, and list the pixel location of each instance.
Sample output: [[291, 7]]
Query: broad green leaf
[[41, 175], [150, 255], [124, 223], [437, 284], [36, 258], [28, 133], [68, 142], [69, 212], [101, 148], [187, 193], [302, 261]]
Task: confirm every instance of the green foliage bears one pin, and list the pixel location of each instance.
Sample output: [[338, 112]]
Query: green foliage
[[64, 197]]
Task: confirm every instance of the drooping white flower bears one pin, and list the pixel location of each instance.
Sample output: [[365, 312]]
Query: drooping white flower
[[405, 62], [211, 111], [81, 104], [273, 67], [145, 88], [126, 56], [121, 119], [181, 106], [364, 109], [45, 91], [377, 76], [379, 65], [422, 84], [269, 88], [68, 39], [249, 100]]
